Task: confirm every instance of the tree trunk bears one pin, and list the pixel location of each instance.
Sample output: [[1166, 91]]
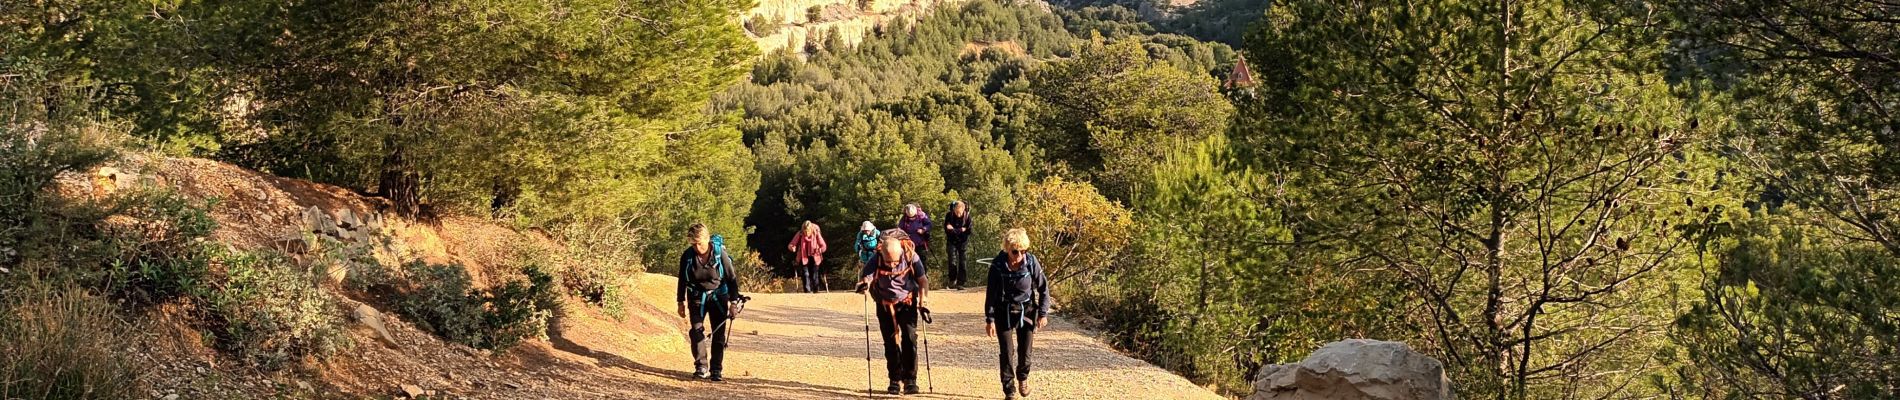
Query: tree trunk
[[400, 184]]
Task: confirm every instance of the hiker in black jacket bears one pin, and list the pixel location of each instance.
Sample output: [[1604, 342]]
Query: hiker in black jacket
[[706, 290], [1015, 304], [957, 228]]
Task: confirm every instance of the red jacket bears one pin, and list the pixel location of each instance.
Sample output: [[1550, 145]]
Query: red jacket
[[810, 247]]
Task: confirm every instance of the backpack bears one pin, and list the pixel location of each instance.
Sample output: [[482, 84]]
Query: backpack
[[1013, 282], [717, 267], [894, 286]]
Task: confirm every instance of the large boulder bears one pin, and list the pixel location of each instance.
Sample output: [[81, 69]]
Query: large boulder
[[1356, 369]]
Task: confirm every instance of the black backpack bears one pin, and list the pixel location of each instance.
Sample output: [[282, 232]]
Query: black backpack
[[1019, 287]]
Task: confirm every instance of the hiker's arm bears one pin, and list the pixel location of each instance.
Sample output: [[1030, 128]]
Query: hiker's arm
[[680, 292], [990, 293], [923, 281], [731, 279]]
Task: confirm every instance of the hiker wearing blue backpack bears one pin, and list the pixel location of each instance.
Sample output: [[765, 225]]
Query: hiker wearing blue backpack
[[867, 243], [1015, 304], [896, 279], [707, 294]]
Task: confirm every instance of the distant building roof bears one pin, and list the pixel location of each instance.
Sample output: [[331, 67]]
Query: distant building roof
[[1242, 77]]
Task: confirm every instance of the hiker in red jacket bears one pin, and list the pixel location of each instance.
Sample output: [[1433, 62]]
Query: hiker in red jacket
[[808, 250]]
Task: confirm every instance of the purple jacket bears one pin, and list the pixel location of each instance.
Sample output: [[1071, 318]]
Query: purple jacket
[[918, 229]]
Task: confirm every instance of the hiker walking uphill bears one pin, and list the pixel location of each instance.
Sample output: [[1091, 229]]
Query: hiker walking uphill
[[867, 243], [707, 290], [916, 226], [808, 250], [956, 227], [1015, 304], [896, 279]]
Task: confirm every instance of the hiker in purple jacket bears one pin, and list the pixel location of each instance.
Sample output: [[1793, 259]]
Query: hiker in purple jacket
[[916, 223]]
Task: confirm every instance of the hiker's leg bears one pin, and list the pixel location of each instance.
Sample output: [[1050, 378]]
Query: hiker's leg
[[887, 329], [958, 262], [907, 321], [1006, 352], [720, 323], [698, 337], [811, 277], [804, 280], [1025, 339]]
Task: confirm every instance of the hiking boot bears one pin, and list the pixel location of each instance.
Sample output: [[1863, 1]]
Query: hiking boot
[[1022, 386], [1009, 396], [911, 388], [894, 389], [717, 378], [699, 374]]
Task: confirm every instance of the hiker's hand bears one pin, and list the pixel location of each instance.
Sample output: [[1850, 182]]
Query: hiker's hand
[[862, 287], [682, 309], [989, 329], [1042, 322]]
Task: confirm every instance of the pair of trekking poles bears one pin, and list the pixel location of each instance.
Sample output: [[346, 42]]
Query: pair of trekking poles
[[923, 314]]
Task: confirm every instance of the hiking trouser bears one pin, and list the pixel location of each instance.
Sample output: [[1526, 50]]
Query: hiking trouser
[[808, 275], [1013, 355], [900, 341], [708, 316], [958, 262]]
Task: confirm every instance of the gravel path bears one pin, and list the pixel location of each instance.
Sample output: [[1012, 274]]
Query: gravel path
[[813, 346]]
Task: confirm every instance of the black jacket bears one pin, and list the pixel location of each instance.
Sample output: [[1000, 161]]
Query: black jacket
[[957, 228], [689, 261], [1030, 289]]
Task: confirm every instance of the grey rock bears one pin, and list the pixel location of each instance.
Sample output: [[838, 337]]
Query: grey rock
[[373, 319], [1356, 369], [346, 219]]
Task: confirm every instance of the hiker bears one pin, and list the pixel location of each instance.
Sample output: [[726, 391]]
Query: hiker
[[808, 247], [1015, 304], [957, 229], [706, 288], [916, 225], [867, 243], [896, 279]]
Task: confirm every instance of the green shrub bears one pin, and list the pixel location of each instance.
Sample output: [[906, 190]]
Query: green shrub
[[63, 343], [442, 300], [270, 311], [156, 245], [599, 256], [29, 162]]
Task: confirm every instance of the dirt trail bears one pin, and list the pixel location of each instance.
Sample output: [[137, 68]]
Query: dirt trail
[[812, 346]]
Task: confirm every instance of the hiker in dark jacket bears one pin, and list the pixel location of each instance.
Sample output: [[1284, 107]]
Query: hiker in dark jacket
[[1015, 304], [916, 224], [896, 279], [706, 288], [956, 227], [808, 250]]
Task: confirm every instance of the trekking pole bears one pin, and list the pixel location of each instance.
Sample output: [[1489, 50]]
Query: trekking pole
[[929, 379], [867, 345]]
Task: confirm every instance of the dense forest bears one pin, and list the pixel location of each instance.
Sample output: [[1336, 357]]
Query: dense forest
[[1557, 199]]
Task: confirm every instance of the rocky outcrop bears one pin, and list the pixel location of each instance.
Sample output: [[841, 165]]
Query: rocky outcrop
[[1356, 369]]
